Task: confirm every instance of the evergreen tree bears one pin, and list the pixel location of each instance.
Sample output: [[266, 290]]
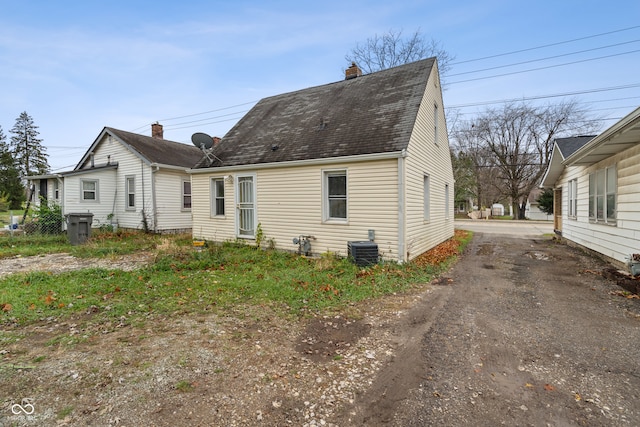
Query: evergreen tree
[[28, 152], [10, 185]]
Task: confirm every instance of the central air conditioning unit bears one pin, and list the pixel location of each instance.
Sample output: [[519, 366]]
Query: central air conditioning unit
[[363, 253]]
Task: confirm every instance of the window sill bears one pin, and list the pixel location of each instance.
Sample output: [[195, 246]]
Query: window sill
[[609, 224], [336, 221]]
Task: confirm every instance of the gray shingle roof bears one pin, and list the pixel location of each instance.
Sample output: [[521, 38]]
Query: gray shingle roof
[[570, 145], [374, 113], [160, 151]]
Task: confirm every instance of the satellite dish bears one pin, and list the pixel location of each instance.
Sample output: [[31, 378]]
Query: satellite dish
[[202, 140]]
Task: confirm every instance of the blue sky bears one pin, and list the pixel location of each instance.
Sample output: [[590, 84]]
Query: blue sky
[[198, 66]]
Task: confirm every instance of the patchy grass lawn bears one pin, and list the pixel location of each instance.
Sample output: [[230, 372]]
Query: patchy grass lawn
[[184, 280]]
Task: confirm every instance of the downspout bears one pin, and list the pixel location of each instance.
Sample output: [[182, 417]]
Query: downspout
[[402, 252], [153, 196]]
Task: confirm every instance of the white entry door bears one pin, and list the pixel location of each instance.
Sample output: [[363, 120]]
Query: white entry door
[[246, 207]]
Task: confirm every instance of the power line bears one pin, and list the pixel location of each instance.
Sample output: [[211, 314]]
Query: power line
[[544, 59], [546, 45], [196, 114], [171, 126], [546, 68], [530, 98]]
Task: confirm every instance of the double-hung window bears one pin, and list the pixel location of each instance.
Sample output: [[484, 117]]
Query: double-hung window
[[603, 187], [335, 195], [89, 188], [572, 196], [130, 192], [186, 195], [217, 197]]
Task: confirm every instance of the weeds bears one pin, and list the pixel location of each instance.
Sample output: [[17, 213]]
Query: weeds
[[218, 277]]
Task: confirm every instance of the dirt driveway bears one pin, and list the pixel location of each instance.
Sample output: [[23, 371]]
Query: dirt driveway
[[523, 332]]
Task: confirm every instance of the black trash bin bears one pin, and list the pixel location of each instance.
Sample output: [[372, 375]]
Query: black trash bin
[[79, 227]]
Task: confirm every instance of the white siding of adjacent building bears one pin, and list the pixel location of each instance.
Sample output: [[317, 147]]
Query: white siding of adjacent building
[[289, 204], [614, 241], [129, 164], [170, 214], [429, 157], [102, 206]]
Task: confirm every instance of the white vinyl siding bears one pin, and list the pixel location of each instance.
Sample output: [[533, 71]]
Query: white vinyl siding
[[130, 193], [427, 154], [616, 242], [169, 212], [288, 208], [436, 120]]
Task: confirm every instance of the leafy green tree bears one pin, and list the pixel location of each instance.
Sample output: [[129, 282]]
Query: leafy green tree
[[545, 201], [10, 186], [28, 152]]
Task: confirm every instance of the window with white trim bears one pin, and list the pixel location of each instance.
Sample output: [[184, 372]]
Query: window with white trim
[[427, 198], [572, 196], [56, 189], [89, 190], [217, 197], [186, 195], [130, 192], [603, 185], [335, 190]]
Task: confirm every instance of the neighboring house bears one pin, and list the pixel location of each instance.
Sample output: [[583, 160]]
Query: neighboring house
[[532, 210], [366, 158], [134, 181], [596, 183]]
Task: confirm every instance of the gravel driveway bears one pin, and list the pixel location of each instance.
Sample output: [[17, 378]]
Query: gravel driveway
[[523, 332]]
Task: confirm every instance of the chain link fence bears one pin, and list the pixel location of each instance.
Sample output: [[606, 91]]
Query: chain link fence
[[46, 219]]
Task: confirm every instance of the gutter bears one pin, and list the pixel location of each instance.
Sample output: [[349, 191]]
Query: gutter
[[307, 162], [615, 130]]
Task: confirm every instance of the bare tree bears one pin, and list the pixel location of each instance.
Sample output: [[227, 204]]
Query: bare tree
[[519, 138], [391, 49]]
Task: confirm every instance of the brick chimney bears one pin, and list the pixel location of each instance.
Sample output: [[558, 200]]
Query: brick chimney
[[216, 140], [352, 72], [156, 131]]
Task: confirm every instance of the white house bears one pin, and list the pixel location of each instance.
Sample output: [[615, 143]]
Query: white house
[[596, 183], [362, 159], [132, 180]]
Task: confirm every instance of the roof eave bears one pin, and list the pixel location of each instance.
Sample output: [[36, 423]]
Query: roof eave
[[307, 162], [629, 122]]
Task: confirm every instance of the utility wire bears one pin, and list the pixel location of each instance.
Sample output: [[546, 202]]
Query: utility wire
[[546, 45], [545, 68], [529, 98], [544, 59]]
